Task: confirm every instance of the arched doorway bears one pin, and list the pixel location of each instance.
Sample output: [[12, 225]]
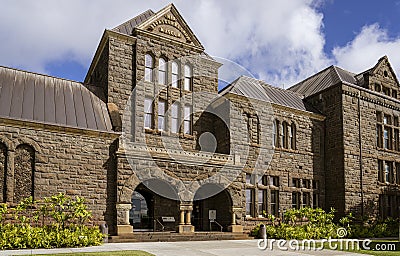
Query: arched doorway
[[154, 207], [220, 202], [141, 213]]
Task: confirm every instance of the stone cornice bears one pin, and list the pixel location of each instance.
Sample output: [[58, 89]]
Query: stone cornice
[[56, 128]]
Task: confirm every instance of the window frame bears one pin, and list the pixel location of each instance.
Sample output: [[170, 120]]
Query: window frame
[[149, 68], [175, 76], [148, 113], [188, 78], [162, 71]]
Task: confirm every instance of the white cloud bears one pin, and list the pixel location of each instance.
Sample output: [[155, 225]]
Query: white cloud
[[278, 40], [281, 41], [366, 48]]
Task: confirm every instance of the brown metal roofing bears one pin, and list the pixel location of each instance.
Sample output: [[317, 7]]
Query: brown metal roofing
[[323, 80], [128, 26], [257, 89], [40, 98]]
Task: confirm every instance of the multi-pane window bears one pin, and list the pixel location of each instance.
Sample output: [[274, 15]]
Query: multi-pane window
[[187, 121], [162, 71], [275, 202], [387, 205], [306, 183], [175, 117], [274, 181], [188, 81], [315, 200], [296, 200], [385, 171], [262, 198], [249, 202], [148, 113], [306, 199], [284, 134], [149, 67], [175, 74], [387, 131], [161, 114], [296, 183]]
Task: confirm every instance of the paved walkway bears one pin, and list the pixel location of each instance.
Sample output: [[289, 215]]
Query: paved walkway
[[203, 248]]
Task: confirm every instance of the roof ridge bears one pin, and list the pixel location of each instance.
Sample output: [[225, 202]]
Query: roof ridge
[[40, 74]]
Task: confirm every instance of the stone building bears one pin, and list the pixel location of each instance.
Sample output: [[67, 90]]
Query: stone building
[[152, 144]]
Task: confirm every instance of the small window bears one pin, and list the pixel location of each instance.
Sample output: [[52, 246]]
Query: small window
[[378, 87], [388, 172], [385, 73], [394, 94], [162, 71], [386, 91], [161, 114], [188, 83], [296, 200], [274, 181], [387, 138], [396, 121], [292, 136], [262, 199], [380, 171], [296, 183], [306, 183], [306, 202], [275, 203], [274, 134], [175, 117], [398, 173], [379, 134], [379, 117], [149, 67], [284, 135], [148, 113], [175, 74], [249, 202], [316, 201], [249, 178], [187, 122], [315, 184], [387, 119]]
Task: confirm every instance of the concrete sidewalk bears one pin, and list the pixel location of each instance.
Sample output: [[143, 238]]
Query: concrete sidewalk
[[204, 248]]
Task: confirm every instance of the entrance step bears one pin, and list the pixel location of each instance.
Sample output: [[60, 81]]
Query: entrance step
[[173, 236]]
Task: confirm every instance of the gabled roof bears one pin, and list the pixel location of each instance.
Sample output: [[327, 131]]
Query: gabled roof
[[323, 80], [167, 20], [44, 99], [257, 89], [128, 26]]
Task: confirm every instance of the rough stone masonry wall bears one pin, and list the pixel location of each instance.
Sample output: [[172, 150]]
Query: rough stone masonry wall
[[329, 103], [75, 162], [369, 105]]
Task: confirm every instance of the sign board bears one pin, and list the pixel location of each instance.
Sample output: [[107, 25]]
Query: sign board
[[168, 219], [212, 215]]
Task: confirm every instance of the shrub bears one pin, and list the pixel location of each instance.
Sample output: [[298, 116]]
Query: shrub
[[304, 223], [53, 222]]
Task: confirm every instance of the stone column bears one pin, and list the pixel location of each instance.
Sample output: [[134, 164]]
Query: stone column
[[234, 227], [188, 217], [185, 226], [182, 220], [123, 226]]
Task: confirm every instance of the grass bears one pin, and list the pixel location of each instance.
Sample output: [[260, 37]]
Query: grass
[[116, 253]]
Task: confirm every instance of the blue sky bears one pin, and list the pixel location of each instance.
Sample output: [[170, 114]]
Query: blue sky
[[279, 41]]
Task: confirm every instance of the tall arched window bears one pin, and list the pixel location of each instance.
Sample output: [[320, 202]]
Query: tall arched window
[[284, 135], [188, 84], [175, 74], [162, 71], [274, 133], [3, 171], [149, 67], [292, 135], [24, 172]]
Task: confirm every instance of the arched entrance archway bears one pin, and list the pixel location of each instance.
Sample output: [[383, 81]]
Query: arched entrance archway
[[152, 211], [221, 202]]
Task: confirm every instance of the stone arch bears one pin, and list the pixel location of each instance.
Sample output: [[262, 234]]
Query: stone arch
[[24, 172], [8, 143]]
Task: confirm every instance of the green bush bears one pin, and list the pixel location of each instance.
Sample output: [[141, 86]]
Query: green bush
[[53, 222], [373, 228], [304, 223]]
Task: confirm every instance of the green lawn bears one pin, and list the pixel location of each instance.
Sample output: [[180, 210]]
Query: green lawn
[[118, 253]]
